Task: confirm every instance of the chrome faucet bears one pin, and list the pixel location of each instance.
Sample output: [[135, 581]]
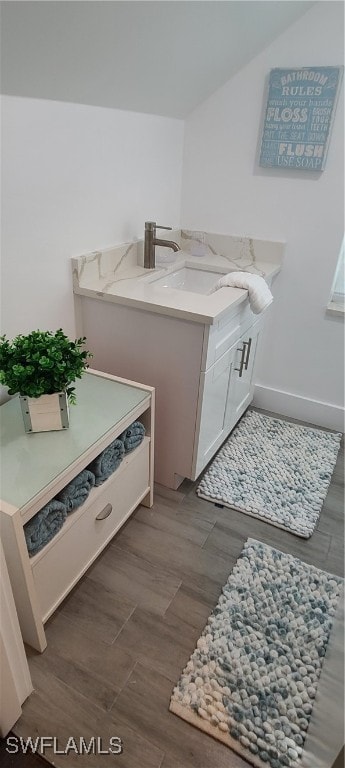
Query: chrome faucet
[[151, 241]]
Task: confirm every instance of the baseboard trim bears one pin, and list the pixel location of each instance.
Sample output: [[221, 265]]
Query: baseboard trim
[[298, 407]]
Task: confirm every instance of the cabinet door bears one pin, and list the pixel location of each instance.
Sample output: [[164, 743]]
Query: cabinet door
[[214, 394], [241, 376], [225, 392]]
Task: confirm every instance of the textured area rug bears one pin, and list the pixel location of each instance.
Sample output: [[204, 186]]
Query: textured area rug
[[252, 679], [273, 470]]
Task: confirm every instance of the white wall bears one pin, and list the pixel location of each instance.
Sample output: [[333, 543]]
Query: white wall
[[224, 190], [75, 179]]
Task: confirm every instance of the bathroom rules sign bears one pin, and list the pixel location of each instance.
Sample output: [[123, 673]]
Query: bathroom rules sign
[[300, 110]]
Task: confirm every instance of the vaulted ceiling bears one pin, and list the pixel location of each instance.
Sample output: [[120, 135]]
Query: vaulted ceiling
[[160, 57]]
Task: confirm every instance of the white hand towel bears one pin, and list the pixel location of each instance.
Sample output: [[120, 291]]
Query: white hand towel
[[259, 294]]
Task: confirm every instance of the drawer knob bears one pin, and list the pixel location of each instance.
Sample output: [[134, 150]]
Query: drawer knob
[[105, 512]]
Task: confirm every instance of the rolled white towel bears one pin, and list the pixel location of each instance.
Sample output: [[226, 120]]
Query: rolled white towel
[[259, 294]]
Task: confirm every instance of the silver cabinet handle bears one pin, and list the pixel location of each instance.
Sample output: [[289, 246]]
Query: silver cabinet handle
[[105, 512], [249, 344], [243, 352]]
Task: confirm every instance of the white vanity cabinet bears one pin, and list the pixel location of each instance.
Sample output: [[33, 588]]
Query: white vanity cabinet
[[36, 467], [193, 365], [225, 391]]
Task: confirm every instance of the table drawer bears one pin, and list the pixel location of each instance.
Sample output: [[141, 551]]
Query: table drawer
[[58, 568]]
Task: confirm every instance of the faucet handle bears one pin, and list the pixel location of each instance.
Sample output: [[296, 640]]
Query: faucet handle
[[151, 226]]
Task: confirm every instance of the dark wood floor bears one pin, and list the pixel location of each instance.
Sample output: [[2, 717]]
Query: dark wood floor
[[119, 642]]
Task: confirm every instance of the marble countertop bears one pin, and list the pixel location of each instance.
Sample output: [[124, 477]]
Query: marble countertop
[[117, 276]]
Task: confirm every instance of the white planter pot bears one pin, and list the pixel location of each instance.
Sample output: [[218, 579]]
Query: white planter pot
[[45, 413]]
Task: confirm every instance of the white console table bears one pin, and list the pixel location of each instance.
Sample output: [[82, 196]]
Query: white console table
[[35, 467]]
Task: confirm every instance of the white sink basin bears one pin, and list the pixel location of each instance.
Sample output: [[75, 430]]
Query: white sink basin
[[189, 279]]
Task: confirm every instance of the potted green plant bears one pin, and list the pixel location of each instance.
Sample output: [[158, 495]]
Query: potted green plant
[[42, 367]]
